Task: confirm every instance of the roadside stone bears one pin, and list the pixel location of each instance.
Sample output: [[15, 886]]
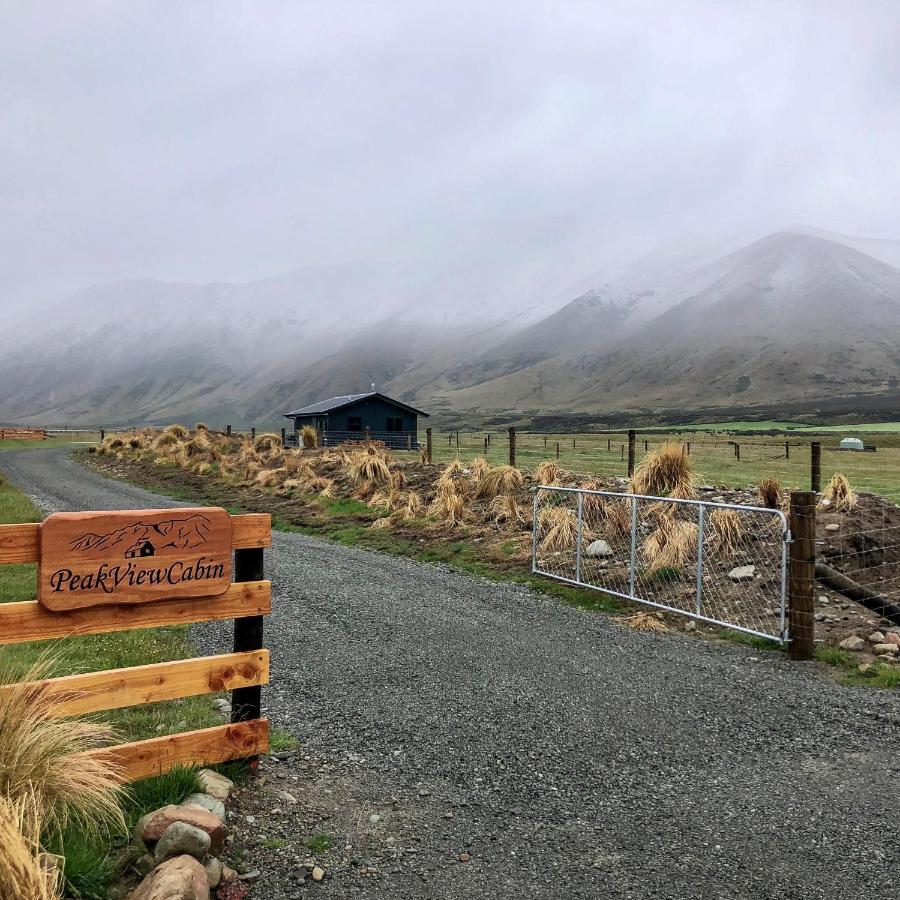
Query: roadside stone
[[690, 625], [179, 878], [876, 637], [318, 873], [229, 874], [252, 875], [160, 820], [862, 668], [214, 869], [886, 649], [742, 573], [833, 526], [854, 642], [892, 638], [180, 838], [215, 784], [207, 802], [286, 797], [464, 857], [598, 549]]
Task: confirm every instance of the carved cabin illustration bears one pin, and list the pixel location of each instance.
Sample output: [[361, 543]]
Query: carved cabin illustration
[[141, 548]]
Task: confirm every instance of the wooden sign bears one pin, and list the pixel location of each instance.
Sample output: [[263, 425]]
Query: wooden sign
[[133, 556]]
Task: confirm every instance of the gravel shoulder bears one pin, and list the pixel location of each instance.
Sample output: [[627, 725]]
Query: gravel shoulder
[[441, 716]]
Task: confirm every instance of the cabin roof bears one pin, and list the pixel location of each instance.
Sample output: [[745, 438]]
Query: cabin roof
[[332, 404]]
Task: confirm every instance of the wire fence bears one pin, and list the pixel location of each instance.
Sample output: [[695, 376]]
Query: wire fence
[[720, 563]]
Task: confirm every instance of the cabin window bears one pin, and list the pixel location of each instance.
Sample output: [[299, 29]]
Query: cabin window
[[354, 423], [394, 424]]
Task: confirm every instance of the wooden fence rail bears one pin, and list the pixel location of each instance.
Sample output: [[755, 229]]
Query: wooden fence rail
[[242, 672]]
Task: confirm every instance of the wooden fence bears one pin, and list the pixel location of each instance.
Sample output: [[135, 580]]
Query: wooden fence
[[23, 434], [246, 600]]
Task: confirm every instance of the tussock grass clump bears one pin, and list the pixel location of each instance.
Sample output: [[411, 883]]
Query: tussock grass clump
[[25, 874], [498, 480], [166, 441], [506, 510], [547, 473], [383, 522], [196, 446], [201, 426], [727, 530], [294, 462], [309, 437], [672, 544], [449, 504], [177, 431], [454, 467], [479, 467], [414, 507], [839, 492], [559, 527], [390, 499], [43, 757], [269, 477], [364, 466], [267, 441], [769, 493], [665, 473], [135, 442]]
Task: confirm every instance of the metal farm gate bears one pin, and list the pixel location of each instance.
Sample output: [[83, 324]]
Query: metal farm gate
[[716, 562]]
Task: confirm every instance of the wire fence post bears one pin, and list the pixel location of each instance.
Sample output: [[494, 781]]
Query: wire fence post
[[253, 433], [246, 702], [282, 436], [512, 446], [787, 450], [228, 431], [802, 574], [557, 449], [815, 466], [428, 446], [631, 439]]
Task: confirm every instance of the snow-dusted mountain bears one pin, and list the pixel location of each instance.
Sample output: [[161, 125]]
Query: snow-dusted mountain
[[798, 315]]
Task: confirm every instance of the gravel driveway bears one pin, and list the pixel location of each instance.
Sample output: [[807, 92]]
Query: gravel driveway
[[472, 740]]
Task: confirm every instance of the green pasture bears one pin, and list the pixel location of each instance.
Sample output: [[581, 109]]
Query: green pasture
[[60, 439]]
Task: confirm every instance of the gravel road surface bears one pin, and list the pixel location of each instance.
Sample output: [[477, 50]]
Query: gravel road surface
[[463, 739]]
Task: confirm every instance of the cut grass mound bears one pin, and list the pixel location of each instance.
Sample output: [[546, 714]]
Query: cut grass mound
[[671, 545], [839, 493], [769, 493], [498, 480]]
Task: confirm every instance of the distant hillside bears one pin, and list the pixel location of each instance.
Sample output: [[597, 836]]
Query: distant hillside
[[792, 318]]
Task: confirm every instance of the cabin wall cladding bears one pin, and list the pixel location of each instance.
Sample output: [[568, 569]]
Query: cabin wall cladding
[[109, 581]]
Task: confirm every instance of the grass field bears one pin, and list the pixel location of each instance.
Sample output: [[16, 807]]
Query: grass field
[[713, 455], [63, 439]]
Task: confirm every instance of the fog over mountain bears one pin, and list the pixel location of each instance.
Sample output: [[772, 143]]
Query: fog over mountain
[[505, 209]]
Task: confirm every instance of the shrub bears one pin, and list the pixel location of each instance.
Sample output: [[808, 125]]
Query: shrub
[[201, 426], [665, 473], [166, 441]]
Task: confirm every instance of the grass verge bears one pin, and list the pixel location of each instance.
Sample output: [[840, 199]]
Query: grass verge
[[876, 675]]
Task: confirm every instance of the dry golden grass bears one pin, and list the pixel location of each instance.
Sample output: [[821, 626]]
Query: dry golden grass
[[665, 473], [559, 529], [43, 757], [166, 441], [479, 467], [643, 621], [498, 480], [727, 530], [672, 544], [383, 522], [268, 477], [203, 468], [178, 431], [415, 507], [506, 510], [309, 437], [768, 493], [294, 462], [617, 518], [423, 456], [449, 504], [201, 426], [390, 499], [454, 467], [197, 446], [24, 872], [267, 441], [547, 473], [363, 466], [839, 492]]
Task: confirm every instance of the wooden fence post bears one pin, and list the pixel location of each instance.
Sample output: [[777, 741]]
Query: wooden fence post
[[631, 439], [228, 431], [282, 436], [815, 466], [787, 450], [102, 434], [557, 449], [409, 441], [512, 447], [253, 433], [737, 451], [428, 445], [609, 445], [646, 446], [246, 702], [802, 574], [688, 448], [573, 443], [545, 440]]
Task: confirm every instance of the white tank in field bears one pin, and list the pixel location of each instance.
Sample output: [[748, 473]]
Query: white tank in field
[[852, 444]]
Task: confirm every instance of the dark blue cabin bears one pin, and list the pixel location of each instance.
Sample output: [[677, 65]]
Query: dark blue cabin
[[357, 417]]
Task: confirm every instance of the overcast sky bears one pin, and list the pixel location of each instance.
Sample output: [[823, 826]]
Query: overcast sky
[[225, 140]]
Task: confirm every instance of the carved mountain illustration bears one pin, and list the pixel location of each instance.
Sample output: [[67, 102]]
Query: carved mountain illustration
[[181, 533]]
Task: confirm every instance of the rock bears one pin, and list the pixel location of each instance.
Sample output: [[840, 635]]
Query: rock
[[318, 873], [180, 838], [690, 625], [145, 864], [464, 857], [892, 638], [598, 549], [207, 802], [179, 878], [886, 649], [286, 797], [854, 642], [862, 668], [229, 874], [833, 526], [214, 783], [214, 869], [876, 637], [159, 821], [742, 573], [825, 503], [252, 875]]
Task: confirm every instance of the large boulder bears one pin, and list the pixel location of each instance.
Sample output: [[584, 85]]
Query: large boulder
[[156, 823], [179, 878], [180, 838]]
